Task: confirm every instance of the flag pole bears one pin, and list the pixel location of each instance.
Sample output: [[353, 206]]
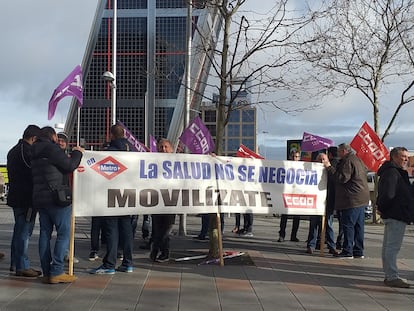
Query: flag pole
[[72, 227], [78, 128], [114, 48], [182, 229]]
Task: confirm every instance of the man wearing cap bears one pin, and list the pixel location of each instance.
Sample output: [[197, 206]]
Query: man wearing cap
[[20, 199], [63, 142]]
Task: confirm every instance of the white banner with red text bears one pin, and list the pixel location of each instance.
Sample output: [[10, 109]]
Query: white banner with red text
[[110, 183]]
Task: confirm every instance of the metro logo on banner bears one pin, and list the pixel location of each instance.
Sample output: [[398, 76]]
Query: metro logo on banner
[[108, 167], [369, 148], [244, 152]]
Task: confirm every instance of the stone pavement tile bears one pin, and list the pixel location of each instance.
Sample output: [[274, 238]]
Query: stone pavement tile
[[122, 293], [400, 299], [313, 297], [236, 290], [275, 296], [36, 296], [198, 288], [355, 299], [161, 291]]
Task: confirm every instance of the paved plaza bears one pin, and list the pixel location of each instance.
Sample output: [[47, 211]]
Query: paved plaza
[[272, 275]]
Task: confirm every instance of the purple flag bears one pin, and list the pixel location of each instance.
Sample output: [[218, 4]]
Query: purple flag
[[71, 86], [197, 138], [135, 143], [153, 144], [312, 142]]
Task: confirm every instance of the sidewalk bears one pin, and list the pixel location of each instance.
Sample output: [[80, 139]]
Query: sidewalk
[[282, 276]]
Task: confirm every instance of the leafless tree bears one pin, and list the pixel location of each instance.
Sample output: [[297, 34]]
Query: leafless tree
[[364, 45], [253, 55]]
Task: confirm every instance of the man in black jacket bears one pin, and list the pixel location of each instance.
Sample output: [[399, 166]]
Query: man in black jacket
[[396, 205], [162, 224], [20, 199], [116, 228], [50, 166]]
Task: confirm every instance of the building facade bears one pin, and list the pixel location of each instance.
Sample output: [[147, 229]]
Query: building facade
[[242, 122], [150, 65]]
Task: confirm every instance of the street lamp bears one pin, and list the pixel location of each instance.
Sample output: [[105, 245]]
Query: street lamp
[[109, 77]]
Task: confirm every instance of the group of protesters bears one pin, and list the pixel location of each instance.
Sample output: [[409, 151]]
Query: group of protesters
[[39, 168], [348, 195]]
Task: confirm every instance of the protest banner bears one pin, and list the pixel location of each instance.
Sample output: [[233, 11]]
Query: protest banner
[[128, 183]]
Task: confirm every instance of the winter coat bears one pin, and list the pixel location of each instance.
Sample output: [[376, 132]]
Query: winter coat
[[351, 186], [50, 165], [20, 175], [119, 144], [395, 193], [330, 191]]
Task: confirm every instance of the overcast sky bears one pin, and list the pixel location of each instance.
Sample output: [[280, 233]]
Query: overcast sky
[[42, 41]]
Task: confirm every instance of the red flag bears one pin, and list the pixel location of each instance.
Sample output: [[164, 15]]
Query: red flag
[[369, 148], [244, 152]]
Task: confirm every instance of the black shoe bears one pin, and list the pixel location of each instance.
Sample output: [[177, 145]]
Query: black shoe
[[281, 239], [359, 256], [153, 254], [333, 252], [344, 256], [93, 255], [294, 239], [309, 250], [29, 273], [199, 237], [163, 258]]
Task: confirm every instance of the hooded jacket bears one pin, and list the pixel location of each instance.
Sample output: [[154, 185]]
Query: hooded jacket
[[50, 166], [395, 193]]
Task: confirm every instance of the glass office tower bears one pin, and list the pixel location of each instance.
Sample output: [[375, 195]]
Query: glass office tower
[[151, 54]]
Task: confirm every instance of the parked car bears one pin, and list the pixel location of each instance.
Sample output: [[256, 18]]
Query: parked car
[[371, 181], [368, 211]]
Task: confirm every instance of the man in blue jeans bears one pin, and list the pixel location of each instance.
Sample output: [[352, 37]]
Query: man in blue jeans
[[50, 165], [396, 204], [116, 228], [351, 198], [20, 199]]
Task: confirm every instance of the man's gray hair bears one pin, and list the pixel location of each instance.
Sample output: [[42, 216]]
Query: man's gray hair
[[346, 147]]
